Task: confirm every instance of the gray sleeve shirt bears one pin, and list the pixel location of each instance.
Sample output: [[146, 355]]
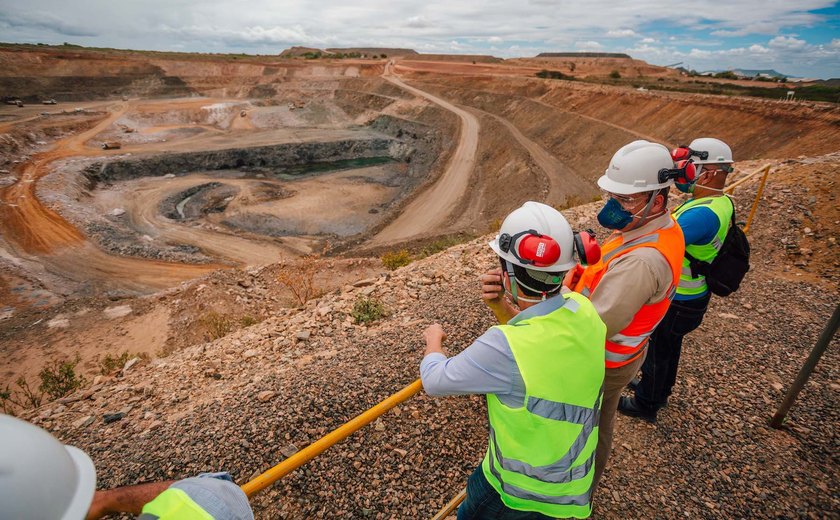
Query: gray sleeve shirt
[[485, 367]]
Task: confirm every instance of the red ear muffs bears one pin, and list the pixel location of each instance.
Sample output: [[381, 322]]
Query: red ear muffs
[[683, 152], [678, 154], [587, 247], [531, 248], [684, 173], [538, 250]]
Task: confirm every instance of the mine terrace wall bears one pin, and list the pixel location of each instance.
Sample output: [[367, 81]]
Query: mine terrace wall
[[274, 156]]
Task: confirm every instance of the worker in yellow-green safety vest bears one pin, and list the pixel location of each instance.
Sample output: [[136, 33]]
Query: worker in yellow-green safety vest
[[705, 220], [542, 373], [41, 478]]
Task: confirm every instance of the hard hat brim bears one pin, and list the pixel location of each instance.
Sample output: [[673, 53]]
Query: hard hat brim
[[86, 485], [607, 184]]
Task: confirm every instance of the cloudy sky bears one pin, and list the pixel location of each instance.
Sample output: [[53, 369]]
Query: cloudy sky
[[795, 37]]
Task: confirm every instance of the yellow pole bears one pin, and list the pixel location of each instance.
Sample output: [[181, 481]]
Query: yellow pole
[[757, 198], [734, 185], [324, 443], [451, 506]]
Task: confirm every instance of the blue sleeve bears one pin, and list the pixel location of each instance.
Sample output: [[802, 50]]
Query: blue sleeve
[[699, 225], [487, 366]]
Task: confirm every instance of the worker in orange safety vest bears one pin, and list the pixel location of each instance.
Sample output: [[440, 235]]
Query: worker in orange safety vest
[[633, 284]]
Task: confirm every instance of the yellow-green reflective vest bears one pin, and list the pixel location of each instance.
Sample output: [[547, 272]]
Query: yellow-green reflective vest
[[173, 504], [541, 455], [722, 206]]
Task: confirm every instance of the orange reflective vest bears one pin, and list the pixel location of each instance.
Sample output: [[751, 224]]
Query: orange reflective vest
[[630, 343]]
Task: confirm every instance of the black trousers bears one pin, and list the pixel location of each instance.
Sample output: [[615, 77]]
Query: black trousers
[[659, 371]]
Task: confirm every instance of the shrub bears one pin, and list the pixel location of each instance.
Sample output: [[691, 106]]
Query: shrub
[[110, 364], [396, 259], [248, 320], [20, 399], [727, 74], [553, 74], [60, 378], [367, 310], [615, 74], [217, 325], [299, 278]]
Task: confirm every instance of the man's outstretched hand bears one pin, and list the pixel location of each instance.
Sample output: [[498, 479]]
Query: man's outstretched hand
[[434, 336]]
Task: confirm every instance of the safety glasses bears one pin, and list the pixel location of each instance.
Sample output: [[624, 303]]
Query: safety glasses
[[626, 201]]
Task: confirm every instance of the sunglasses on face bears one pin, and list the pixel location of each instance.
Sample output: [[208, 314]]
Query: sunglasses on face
[[627, 201]]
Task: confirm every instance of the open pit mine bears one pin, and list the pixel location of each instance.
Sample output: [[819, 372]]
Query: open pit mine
[[193, 235]]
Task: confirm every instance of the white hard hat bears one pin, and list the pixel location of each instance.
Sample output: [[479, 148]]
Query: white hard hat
[[536, 237], [39, 476], [719, 152], [635, 169]]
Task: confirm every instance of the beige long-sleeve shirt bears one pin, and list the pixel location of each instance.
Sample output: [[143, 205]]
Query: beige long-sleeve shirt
[[642, 276]]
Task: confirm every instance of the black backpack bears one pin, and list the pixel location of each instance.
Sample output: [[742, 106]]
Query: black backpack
[[725, 272]]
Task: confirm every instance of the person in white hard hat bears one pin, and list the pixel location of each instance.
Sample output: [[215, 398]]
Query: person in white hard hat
[[705, 220], [542, 372], [41, 478], [632, 285]]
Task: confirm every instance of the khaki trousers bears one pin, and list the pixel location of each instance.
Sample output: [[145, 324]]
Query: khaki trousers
[[615, 379]]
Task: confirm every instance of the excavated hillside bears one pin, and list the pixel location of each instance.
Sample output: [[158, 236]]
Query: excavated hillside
[[238, 176], [247, 400]]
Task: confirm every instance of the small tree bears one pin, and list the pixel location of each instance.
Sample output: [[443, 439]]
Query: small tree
[[615, 74], [299, 278]]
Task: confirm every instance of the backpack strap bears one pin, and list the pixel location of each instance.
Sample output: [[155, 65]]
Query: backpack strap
[[699, 267]]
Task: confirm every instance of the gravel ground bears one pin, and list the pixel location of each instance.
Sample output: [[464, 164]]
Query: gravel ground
[[246, 401]]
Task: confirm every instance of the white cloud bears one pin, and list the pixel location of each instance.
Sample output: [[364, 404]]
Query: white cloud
[[787, 55], [418, 22], [588, 45], [268, 26], [787, 42]]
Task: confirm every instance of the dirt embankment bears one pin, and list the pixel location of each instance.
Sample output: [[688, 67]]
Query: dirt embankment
[[753, 127], [73, 75]]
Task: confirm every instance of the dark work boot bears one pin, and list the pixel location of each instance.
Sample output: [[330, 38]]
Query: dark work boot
[[631, 408], [634, 383]]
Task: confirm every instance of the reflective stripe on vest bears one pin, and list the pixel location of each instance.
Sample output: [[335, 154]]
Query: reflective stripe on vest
[[541, 455], [173, 504], [630, 343], [560, 471], [723, 208]]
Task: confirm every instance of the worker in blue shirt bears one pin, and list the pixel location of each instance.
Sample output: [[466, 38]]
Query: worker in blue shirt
[[705, 220]]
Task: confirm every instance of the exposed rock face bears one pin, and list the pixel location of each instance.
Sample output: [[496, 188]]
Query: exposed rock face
[[275, 156]]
